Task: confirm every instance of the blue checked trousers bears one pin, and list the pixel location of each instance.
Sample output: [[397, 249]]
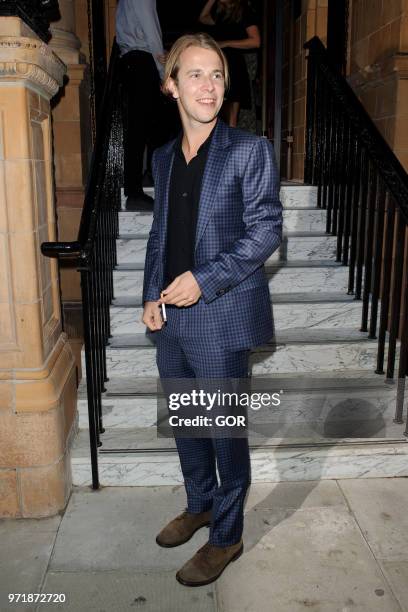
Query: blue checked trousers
[[187, 348]]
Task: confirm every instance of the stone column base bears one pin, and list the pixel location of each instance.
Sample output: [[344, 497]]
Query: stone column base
[[38, 378], [38, 421]]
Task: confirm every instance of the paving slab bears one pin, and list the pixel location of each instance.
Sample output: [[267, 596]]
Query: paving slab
[[396, 573], [328, 546], [380, 507], [116, 528], [296, 495], [25, 549], [297, 560], [119, 591]]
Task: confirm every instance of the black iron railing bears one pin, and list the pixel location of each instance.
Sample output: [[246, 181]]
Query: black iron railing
[[364, 190], [94, 252]]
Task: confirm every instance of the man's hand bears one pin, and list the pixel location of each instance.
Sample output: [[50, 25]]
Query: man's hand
[[183, 291], [152, 316]]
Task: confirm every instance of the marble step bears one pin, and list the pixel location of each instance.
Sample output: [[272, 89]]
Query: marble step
[[365, 411], [296, 335], [129, 386], [342, 354], [292, 195], [288, 315], [297, 297], [147, 387], [298, 196], [294, 220], [284, 433], [290, 277], [121, 412], [316, 357], [295, 246], [303, 461]]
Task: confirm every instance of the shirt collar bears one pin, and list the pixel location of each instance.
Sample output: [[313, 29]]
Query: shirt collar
[[202, 149]]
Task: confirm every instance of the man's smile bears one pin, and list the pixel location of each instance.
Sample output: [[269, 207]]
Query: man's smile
[[206, 100]]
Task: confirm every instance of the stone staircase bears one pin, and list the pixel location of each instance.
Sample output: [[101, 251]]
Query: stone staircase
[[337, 417]]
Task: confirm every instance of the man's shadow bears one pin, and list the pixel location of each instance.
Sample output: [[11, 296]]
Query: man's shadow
[[325, 423]]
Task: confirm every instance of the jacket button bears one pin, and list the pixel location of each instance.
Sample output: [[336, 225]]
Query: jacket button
[[220, 292]]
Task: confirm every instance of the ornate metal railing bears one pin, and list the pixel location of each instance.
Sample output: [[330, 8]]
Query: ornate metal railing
[[364, 189], [94, 252]]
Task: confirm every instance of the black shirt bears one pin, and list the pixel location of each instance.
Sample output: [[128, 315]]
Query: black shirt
[[184, 197]]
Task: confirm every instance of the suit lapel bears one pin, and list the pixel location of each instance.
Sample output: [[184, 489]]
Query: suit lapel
[[164, 173], [161, 195], [217, 156]]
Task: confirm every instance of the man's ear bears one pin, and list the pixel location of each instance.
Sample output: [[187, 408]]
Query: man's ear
[[172, 88]]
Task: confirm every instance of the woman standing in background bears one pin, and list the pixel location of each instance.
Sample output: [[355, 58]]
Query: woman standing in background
[[235, 29]]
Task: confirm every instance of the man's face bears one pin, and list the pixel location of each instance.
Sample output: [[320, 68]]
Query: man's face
[[200, 84]]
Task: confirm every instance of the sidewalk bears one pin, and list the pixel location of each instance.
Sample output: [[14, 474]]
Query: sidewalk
[[326, 546]]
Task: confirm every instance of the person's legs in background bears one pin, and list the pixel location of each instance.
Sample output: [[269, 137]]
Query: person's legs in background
[[141, 83], [239, 93]]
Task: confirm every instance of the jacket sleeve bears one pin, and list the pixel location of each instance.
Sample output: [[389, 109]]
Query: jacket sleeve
[[151, 290], [263, 227]]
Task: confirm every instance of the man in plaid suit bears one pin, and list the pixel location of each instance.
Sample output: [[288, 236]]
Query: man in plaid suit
[[217, 218]]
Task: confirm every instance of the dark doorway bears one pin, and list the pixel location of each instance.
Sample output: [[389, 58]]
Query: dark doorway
[[272, 63], [337, 33]]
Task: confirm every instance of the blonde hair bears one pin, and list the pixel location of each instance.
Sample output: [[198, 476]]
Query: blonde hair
[[202, 40]]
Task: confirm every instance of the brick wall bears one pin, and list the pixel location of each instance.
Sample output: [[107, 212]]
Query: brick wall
[[378, 69]]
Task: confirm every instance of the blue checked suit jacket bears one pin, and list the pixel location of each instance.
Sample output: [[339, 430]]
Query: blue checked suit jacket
[[239, 226]]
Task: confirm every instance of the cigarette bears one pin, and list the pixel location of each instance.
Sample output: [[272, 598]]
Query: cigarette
[[163, 308]]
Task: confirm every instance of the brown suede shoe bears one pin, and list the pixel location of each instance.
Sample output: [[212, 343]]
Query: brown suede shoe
[[182, 528], [208, 564]]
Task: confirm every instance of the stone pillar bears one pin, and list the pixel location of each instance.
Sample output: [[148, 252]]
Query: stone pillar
[[72, 151], [37, 371], [72, 143]]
